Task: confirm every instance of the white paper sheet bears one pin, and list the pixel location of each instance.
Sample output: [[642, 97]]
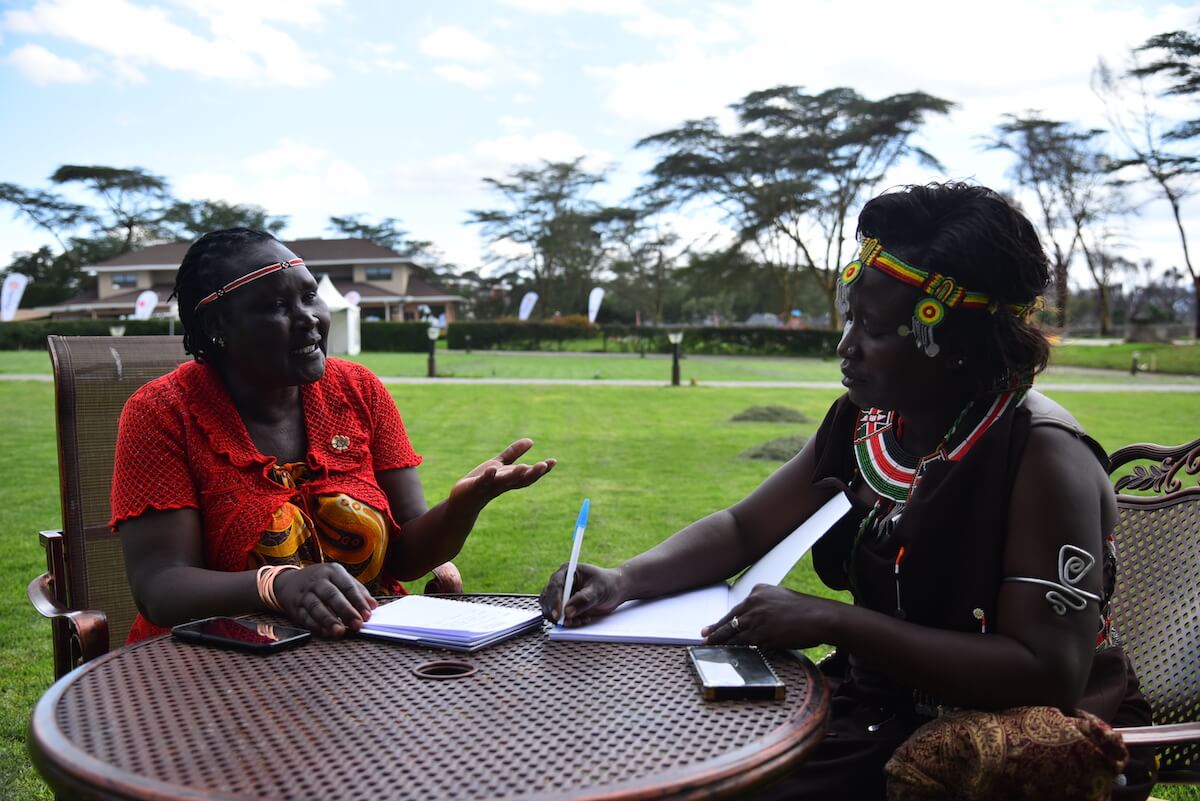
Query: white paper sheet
[[677, 619]]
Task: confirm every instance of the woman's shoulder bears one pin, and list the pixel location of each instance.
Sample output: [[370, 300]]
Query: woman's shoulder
[[349, 372], [1050, 424], [170, 388]]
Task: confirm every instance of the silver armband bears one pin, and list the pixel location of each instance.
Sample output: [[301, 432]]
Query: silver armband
[[1073, 565]]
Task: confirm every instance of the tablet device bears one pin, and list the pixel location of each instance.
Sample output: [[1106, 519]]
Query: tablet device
[[735, 672], [243, 635]]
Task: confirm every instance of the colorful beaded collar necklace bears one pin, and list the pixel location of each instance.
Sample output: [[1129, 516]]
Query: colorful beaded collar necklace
[[943, 292], [253, 275], [890, 470]]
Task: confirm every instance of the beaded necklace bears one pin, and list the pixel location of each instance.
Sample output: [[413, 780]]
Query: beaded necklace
[[894, 474]]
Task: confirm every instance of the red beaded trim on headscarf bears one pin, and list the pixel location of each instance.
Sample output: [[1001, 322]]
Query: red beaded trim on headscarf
[[247, 278]]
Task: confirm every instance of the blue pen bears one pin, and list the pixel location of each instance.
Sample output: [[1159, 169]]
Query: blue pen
[[580, 525]]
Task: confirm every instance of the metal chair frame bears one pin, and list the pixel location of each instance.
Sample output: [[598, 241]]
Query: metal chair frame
[[1156, 607]]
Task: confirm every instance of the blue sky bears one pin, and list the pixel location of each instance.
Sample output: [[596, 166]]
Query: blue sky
[[318, 107]]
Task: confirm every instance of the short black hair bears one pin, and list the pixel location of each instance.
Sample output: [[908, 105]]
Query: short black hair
[[200, 274], [977, 237]]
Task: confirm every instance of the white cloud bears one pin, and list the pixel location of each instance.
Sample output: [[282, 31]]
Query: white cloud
[[470, 61], [463, 173], [42, 67], [293, 178], [510, 122], [244, 46], [456, 44], [759, 45], [471, 78]]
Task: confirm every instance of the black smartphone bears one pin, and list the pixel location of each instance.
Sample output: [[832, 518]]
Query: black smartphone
[[735, 672], [244, 635]]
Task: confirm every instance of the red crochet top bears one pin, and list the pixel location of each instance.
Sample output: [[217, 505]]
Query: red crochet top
[[181, 444]]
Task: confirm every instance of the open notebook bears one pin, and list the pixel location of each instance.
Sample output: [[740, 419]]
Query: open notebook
[[677, 619], [445, 623]]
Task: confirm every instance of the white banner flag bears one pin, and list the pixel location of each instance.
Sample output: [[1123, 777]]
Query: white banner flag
[[144, 306], [594, 299], [10, 297], [527, 304]]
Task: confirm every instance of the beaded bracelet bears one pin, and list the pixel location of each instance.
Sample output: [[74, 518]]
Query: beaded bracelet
[[266, 583]]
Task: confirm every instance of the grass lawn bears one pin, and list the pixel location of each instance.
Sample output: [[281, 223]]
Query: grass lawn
[[1163, 358], [650, 459]]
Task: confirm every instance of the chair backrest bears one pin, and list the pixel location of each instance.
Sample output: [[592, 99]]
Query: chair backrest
[[1156, 607], [93, 377]]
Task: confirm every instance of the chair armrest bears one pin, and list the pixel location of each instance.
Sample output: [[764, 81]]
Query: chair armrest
[[1167, 734], [88, 627], [446, 580]]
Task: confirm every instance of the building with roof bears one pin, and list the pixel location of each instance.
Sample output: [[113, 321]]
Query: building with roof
[[389, 287]]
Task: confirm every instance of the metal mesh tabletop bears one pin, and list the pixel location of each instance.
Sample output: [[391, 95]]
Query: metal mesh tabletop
[[349, 719]]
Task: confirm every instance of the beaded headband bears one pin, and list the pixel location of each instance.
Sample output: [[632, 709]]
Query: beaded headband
[[943, 291], [247, 278]]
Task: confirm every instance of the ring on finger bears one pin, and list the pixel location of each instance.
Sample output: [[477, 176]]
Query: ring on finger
[[733, 623]]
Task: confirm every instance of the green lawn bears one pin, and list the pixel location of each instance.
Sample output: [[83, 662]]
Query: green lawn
[[1162, 358], [650, 459]]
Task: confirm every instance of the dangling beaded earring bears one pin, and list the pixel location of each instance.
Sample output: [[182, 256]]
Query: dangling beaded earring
[[219, 341]]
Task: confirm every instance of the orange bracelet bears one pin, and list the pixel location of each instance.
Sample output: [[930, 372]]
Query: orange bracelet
[[265, 580]]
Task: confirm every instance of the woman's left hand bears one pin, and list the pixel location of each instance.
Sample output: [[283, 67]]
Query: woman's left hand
[[774, 617], [499, 475]]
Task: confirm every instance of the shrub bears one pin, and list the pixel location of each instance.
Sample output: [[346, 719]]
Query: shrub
[[395, 337], [770, 414], [777, 450], [31, 334]]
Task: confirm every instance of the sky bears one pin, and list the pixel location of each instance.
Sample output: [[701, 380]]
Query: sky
[[312, 108]]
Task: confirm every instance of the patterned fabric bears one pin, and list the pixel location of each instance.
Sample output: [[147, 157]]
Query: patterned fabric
[[181, 444], [1032, 752], [333, 527]]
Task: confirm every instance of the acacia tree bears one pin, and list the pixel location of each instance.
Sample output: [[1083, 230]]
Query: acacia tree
[[1059, 163], [558, 230], [789, 177], [185, 220], [136, 208], [1155, 147]]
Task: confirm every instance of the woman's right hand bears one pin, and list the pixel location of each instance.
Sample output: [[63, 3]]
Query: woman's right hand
[[324, 598], [595, 592]]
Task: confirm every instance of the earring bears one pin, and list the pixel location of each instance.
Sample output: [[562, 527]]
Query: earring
[[219, 341]]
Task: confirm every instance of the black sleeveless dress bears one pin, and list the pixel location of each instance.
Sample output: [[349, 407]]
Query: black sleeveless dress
[[952, 530]]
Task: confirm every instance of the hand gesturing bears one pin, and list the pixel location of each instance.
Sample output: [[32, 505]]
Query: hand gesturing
[[499, 475]]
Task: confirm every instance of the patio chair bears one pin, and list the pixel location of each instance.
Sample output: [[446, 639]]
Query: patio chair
[[84, 590], [1156, 607]]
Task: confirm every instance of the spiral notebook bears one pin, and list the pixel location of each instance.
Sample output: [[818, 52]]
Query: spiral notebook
[[446, 623]]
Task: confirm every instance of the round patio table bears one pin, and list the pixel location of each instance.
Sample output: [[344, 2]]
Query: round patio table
[[349, 719]]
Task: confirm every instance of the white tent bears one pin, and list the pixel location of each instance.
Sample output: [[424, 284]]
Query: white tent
[[344, 326]]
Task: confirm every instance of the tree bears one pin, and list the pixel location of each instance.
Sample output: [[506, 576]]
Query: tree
[[558, 231], [1153, 145], [1060, 164], [385, 233], [188, 220], [135, 199], [1176, 57], [789, 177]]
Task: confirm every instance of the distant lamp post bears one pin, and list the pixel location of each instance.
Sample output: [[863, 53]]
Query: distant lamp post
[[433, 332], [173, 311], [116, 330], [675, 337]]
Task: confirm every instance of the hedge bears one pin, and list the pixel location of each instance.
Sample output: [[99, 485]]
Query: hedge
[[701, 340], [395, 337], [513, 335], [31, 334], [412, 338]]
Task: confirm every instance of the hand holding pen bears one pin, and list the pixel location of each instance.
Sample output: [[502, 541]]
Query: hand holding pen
[[578, 592]]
